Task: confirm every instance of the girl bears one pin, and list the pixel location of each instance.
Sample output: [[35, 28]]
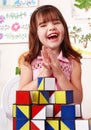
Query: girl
[[50, 53]]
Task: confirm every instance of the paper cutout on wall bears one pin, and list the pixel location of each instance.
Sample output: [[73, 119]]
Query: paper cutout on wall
[[14, 24], [18, 3]]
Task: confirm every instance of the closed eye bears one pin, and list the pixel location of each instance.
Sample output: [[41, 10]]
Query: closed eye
[[42, 25], [56, 22]]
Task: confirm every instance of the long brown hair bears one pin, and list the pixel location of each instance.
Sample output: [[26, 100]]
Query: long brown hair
[[48, 12]]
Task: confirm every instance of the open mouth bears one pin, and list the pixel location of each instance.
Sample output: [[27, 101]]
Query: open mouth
[[52, 36]]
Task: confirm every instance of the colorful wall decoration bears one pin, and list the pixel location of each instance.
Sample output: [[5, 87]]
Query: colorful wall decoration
[[14, 20], [14, 25], [18, 3], [81, 9], [80, 29]]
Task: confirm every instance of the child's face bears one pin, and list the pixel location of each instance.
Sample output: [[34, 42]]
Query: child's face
[[50, 33]]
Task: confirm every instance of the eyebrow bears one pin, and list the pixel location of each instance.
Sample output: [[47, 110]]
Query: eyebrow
[[45, 21]]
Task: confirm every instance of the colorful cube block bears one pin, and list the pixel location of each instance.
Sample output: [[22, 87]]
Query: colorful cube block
[[23, 112], [81, 124], [23, 98], [67, 125], [43, 97], [68, 112], [35, 97], [38, 112], [41, 83], [64, 97], [50, 84], [37, 125], [22, 124], [57, 110], [52, 124]]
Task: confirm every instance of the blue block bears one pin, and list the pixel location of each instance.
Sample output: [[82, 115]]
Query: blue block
[[70, 124], [45, 97], [68, 112], [40, 83], [48, 127], [69, 96], [20, 123]]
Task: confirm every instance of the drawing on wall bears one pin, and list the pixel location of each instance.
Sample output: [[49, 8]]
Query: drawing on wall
[[81, 9], [80, 36], [18, 3], [14, 25], [80, 29]]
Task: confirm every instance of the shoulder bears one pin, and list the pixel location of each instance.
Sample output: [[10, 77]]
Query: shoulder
[[76, 66]]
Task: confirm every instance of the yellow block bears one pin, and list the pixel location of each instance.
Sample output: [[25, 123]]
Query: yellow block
[[26, 126], [63, 126], [14, 110], [42, 99], [60, 97], [35, 96], [41, 85], [25, 109], [54, 124]]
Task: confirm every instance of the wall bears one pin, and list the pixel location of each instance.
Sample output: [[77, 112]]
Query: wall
[[9, 54]]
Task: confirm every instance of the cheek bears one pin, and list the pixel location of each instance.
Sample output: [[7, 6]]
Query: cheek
[[40, 34]]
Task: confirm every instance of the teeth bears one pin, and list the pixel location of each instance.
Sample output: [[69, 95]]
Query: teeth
[[51, 35]]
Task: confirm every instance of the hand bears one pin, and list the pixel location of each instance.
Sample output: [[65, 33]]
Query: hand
[[47, 71], [54, 63]]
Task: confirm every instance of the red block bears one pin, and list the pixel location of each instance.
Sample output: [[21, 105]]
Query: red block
[[38, 112], [14, 123], [57, 110], [23, 98]]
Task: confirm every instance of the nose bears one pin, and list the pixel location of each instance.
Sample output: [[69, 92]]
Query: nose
[[51, 27]]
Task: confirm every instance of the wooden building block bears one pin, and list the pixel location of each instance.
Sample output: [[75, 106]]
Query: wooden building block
[[52, 124], [57, 110], [41, 83], [50, 83], [68, 112], [44, 97], [81, 124], [23, 112], [37, 125], [22, 124], [63, 97], [49, 111], [14, 110], [67, 125], [35, 97], [23, 98], [51, 97], [38, 112]]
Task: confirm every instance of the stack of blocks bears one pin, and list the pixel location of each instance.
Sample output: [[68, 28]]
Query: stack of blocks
[[47, 109]]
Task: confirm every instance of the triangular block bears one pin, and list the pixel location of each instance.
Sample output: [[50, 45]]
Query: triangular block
[[23, 112], [44, 97], [40, 83], [38, 112]]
